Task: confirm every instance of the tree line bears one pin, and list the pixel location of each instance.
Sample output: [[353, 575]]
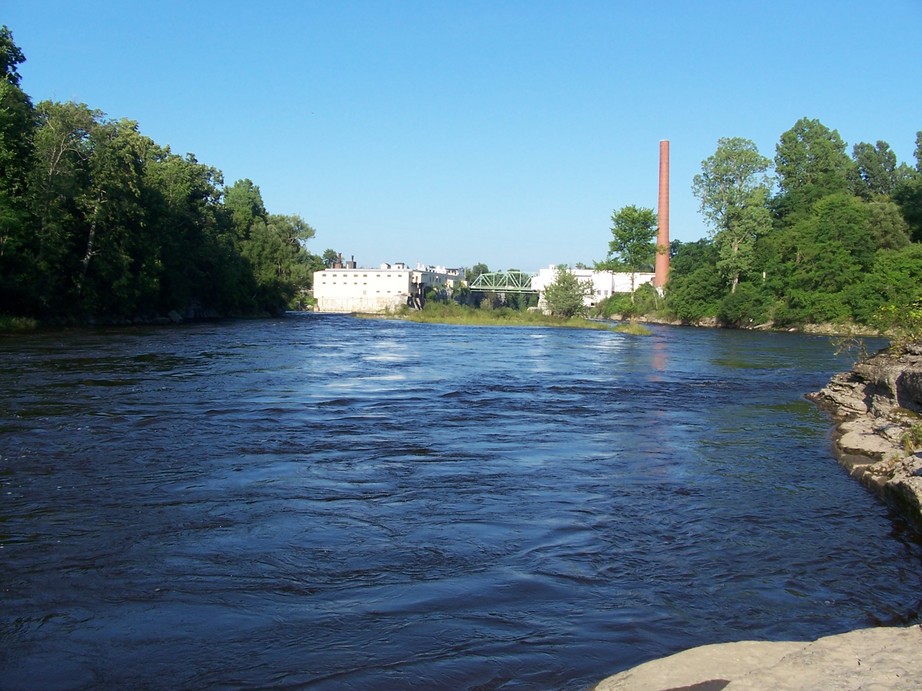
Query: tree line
[[97, 221], [814, 235]]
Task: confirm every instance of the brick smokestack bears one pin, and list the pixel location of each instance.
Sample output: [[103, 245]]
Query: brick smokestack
[[662, 237]]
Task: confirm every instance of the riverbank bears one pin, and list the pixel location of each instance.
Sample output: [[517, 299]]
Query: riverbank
[[877, 407]]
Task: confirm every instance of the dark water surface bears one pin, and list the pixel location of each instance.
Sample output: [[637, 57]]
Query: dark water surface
[[337, 503]]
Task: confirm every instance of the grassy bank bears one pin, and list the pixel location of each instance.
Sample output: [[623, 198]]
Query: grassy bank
[[450, 313], [10, 324]]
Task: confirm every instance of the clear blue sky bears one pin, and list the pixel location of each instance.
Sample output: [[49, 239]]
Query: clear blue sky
[[465, 131]]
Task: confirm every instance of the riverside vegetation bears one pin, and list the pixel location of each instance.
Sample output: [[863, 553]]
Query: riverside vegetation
[[100, 223]]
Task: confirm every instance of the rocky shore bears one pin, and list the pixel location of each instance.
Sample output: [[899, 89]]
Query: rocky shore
[[882, 658], [877, 409]]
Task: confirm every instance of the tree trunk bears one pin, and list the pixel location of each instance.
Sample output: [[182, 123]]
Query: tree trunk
[[90, 244]]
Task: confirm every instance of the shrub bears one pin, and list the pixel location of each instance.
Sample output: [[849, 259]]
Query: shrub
[[747, 306], [903, 323], [912, 439]]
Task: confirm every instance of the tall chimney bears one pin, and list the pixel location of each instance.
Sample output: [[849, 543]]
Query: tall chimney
[[662, 237]]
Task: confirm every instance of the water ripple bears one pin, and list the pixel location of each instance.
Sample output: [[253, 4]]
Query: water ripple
[[329, 502]]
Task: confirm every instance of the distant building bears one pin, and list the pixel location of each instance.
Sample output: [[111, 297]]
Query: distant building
[[604, 283], [346, 288]]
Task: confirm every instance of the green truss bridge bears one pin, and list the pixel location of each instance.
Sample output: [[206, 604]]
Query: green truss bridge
[[503, 282]]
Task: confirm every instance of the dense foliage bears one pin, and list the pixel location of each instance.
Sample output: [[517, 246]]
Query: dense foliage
[[829, 238], [99, 221]]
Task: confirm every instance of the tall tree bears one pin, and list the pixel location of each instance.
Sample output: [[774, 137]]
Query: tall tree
[[736, 244], [811, 162], [695, 286], [198, 266], [835, 248], [244, 202], [11, 57], [728, 179], [908, 194], [875, 172], [16, 130], [733, 188], [330, 257], [60, 177], [633, 230], [887, 224]]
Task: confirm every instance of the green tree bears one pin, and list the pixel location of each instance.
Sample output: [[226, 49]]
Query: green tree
[[244, 202], [733, 189], [475, 271], [111, 242], [565, 296], [330, 257], [475, 298], [90, 248], [16, 132], [895, 278], [887, 224], [729, 178], [811, 162], [11, 57], [283, 268], [199, 266], [749, 306], [908, 194], [875, 170], [695, 286], [633, 230], [736, 244], [834, 247], [59, 180], [97, 220]]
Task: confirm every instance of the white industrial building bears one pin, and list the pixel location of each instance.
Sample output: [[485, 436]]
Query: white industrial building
[[604, 283], [346, 288]]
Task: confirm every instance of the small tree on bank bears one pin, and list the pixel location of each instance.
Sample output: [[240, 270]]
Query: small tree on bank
[[632, 247], [565, 296]]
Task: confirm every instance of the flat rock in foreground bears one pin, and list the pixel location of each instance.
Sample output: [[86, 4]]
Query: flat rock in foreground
[[879, 658]]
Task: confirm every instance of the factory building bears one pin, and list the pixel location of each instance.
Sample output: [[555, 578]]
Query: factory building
[[347, 288]]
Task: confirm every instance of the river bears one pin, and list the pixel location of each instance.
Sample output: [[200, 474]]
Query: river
[[329, 502]]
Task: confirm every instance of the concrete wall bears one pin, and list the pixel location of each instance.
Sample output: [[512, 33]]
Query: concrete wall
[[366, 305]]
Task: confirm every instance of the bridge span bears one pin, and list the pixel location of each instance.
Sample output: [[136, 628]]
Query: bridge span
[[504, 282]]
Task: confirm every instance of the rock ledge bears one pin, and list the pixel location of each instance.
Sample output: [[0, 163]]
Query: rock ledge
[[877, 406]]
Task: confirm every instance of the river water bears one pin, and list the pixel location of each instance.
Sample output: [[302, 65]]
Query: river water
[[328, 502]]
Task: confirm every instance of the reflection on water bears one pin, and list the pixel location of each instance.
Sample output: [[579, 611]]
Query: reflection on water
[[344, 503]]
